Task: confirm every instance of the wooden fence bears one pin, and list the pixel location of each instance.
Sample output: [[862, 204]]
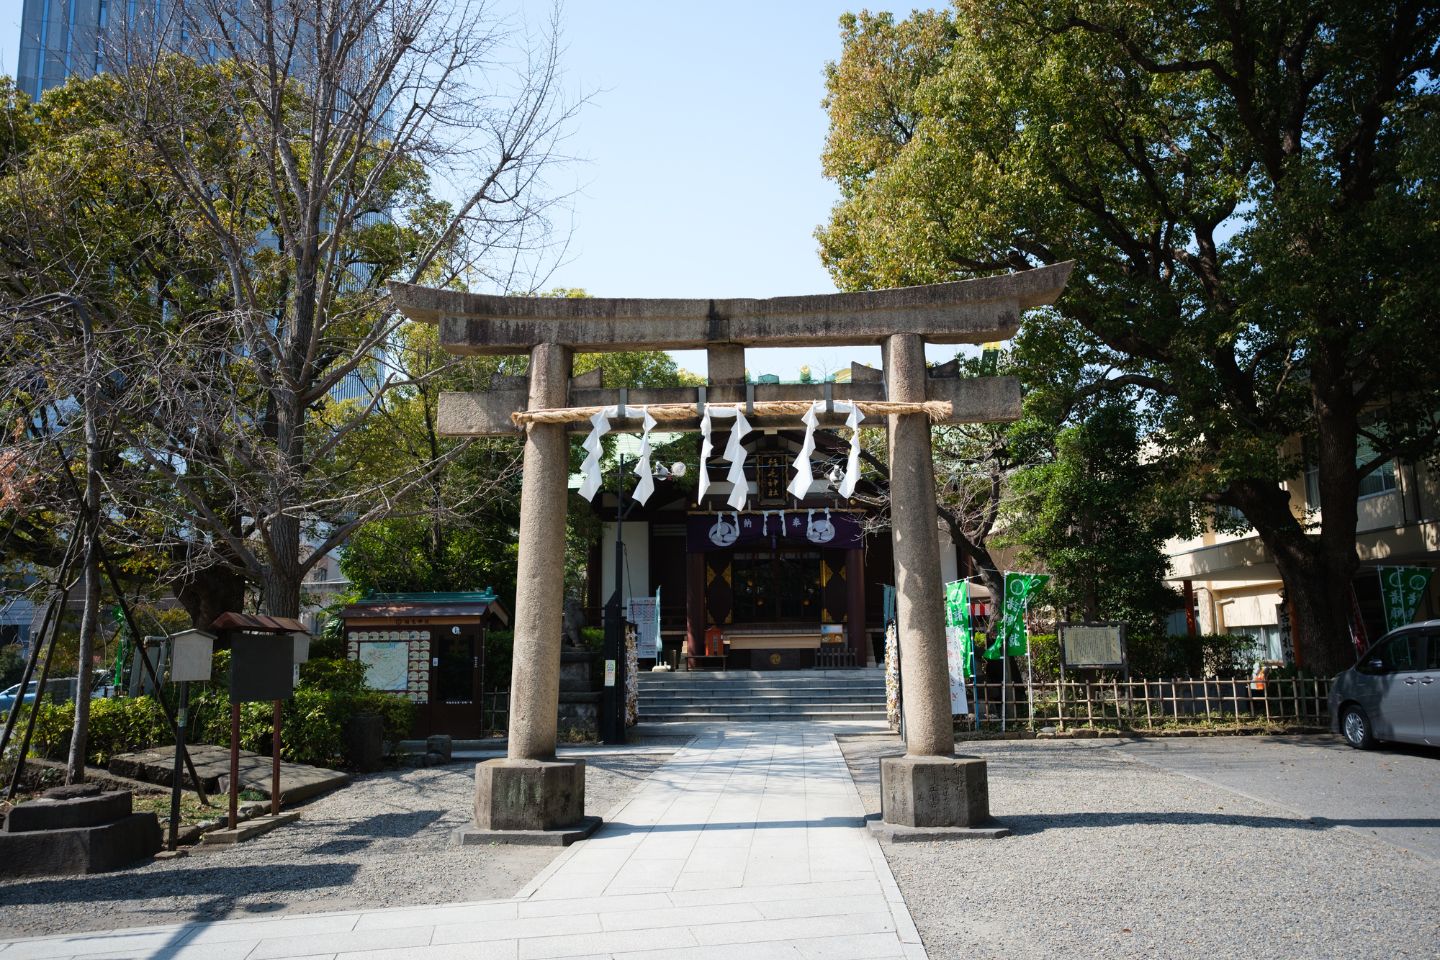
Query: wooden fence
[[1150, 704], [495, 711]]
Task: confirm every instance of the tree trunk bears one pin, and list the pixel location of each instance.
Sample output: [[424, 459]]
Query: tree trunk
[[1317, 573], [90, 618], [209, 593], [281, 585], [89, 624]]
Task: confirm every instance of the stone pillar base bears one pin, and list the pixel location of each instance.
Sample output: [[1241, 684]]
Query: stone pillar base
[[933, 798], [529, 801]]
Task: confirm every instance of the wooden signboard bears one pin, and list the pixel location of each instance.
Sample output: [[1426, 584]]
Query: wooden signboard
[[262, 667]]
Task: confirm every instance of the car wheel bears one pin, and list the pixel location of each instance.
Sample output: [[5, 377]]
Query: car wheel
[[1355, 725]]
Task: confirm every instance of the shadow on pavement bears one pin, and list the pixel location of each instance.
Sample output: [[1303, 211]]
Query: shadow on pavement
[[223, 882], [1026, 823]]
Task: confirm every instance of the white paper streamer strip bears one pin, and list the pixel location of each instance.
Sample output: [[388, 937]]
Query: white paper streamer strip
[[800, 486], [646, 486], [852, 463], [734, 452], [590, 468]]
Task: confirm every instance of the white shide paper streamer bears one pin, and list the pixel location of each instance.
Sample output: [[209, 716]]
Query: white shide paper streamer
[[646, 486], [590, 468], [734, 452], [800, 486]]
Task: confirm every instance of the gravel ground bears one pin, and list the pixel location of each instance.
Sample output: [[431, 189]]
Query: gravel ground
[[381, 842], [1113, 858]]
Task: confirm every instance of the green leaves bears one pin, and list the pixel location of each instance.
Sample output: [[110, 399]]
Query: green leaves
[[1247, 192]]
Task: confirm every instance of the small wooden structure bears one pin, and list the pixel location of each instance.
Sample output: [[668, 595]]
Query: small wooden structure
[[430, 648]]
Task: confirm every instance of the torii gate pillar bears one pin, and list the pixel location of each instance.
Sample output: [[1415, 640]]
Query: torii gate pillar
[[530, 793], [929, 792]]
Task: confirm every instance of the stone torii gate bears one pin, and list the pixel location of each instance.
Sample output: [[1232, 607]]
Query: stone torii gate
[[530, 795]]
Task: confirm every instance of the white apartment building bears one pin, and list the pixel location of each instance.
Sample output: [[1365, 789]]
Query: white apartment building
[[1237, 589]]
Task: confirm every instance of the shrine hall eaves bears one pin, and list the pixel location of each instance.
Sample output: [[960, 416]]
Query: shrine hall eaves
[[962, 311]]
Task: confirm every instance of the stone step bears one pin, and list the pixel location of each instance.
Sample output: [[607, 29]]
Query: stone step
[[797, 675], [759, 684], [875, 715], [741, 696], [762, 691], [730, 707]]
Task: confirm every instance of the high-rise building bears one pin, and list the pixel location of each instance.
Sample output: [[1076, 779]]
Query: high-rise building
[[59, 38]]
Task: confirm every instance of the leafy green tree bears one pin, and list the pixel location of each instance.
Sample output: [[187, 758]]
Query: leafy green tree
[[458, 530], [1089, 513], [1248, 194]]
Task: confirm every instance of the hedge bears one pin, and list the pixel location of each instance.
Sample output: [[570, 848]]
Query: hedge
[[330, 694], [1160, 657]]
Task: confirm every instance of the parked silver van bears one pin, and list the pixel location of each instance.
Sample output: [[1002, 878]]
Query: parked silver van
[[1393, 692]]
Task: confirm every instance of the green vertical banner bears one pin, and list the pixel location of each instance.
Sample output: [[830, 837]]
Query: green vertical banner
[[1400, 590], [958, 642], [957, 623], [1010, 633]]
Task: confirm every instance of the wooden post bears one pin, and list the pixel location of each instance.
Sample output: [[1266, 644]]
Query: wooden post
[[694, 604], [1119, 719], [234, 764], [1149, 721], [177, 775], [275, 762], [855, 605]]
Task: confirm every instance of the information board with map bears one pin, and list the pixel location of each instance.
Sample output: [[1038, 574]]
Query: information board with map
[[388, 663]]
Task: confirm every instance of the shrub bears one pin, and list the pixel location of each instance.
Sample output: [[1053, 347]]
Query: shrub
[[1045, 656], [1160, 657], [1181, 655], [116, 726], [314, 720], [499, 645]]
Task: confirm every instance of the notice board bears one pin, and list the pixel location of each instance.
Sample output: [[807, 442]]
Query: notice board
[[262, 666], [1092, 645]]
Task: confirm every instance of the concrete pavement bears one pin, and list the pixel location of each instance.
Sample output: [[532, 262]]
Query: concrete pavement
[[750, 844], [1391, 793]]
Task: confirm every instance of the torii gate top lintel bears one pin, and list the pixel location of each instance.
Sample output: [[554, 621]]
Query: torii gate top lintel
[[963, 311]]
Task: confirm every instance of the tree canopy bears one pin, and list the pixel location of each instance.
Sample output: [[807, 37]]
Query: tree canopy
[[1248, 192]]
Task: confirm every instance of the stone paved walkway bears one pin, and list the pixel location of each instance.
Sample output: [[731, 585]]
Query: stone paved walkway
[[750, 843]]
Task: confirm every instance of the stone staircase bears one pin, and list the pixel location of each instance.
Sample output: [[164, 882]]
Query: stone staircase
[[755, 696]]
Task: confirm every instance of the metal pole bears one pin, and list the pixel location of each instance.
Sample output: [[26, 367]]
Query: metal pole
[[29, 674], [39, 695], [129, 616], [275, 763], [234, 764], [612, 697], [1030, 679], [1004, 676], [177, 775], [56, 607]]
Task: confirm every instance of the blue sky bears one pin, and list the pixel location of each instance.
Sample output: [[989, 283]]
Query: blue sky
[[700, 151]]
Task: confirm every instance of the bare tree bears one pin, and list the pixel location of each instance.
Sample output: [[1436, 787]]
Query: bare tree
[[324, 147], [971, 467]]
